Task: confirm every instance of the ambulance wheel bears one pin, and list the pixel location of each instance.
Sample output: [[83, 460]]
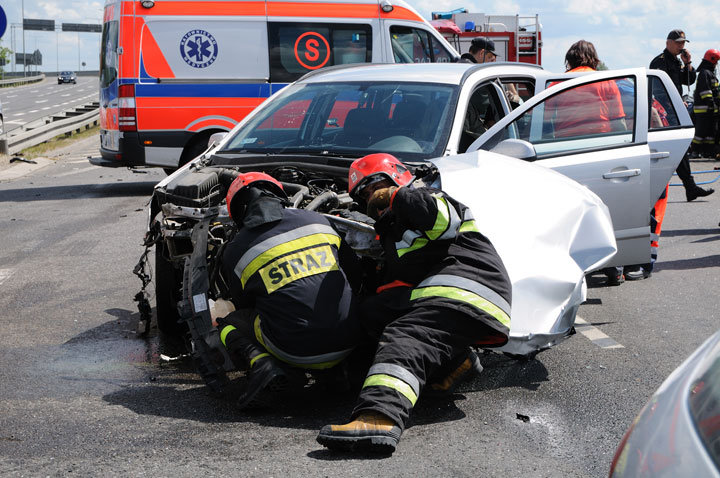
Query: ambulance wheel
[[168, 292], [194, 148]]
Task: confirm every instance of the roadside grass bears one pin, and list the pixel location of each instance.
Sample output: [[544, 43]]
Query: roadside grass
[[56, 143]]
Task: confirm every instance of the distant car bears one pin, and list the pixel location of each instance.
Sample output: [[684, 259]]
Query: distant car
[[67, 77], [677, 433]]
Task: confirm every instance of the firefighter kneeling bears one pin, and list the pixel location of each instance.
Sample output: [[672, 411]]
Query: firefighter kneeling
[[446, 288], [294, 301]]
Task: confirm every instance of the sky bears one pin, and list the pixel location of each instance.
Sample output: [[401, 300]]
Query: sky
[[626, 33]]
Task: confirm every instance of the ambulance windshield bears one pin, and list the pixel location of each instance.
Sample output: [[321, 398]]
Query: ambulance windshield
[[410, 120]]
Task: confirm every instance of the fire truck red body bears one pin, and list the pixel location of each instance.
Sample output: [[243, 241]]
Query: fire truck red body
[[516, 37]]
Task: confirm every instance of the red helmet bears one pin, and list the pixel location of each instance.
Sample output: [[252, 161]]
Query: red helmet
[[373, 167], [712, 56], [261, 180]]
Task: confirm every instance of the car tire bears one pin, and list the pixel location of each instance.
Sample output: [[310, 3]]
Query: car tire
[[168, 292]]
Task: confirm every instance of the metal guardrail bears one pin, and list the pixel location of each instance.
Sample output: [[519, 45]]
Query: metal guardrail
[[20, 80], [43, 133]]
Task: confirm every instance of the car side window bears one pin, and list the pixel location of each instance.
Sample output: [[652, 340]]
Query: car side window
[[298, 48], [585, 117], [414, 45], [483, 111], [662, 113]]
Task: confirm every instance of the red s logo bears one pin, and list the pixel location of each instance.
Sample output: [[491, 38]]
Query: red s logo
[[315, 50]]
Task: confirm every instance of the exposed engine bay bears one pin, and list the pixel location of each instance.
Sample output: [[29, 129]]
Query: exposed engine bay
[[190, 226]]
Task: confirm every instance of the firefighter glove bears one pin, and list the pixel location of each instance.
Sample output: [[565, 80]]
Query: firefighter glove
[[380, 201]]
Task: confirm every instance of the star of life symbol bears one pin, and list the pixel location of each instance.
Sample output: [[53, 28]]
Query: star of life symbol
[[198, 48]]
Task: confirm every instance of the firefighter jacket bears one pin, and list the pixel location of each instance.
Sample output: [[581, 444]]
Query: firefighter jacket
[[670, 64], [706, 96], [431, 241], [288, 271]]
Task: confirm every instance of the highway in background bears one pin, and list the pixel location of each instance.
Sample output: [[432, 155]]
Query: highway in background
[[24, 104]]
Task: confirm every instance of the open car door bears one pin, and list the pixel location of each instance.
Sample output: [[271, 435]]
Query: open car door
[[593, 129]]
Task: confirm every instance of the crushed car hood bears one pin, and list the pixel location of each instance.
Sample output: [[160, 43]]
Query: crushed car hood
[[548, 229]]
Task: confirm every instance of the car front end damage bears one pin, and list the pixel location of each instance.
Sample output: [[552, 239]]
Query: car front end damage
[[549, 235], [189, 227]]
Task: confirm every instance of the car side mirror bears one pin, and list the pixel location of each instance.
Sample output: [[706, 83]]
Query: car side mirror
[[216, 138], [516, 148]]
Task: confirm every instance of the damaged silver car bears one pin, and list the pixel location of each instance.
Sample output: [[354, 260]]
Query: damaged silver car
[[550, 232]]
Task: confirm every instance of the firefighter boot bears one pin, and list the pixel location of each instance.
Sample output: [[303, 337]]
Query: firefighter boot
[[462, 368], [266, 380], [369, 432]]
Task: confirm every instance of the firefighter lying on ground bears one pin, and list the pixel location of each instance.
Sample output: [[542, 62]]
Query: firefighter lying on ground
[[446, 288], [294, 303]]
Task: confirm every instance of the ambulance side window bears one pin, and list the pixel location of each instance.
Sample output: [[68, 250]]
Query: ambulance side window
[[298, 48], [413, 45]]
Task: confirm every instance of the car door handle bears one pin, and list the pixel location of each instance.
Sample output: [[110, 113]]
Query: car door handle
[[660, 155], [628, 173]]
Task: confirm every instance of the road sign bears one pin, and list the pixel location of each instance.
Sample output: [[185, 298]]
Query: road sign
[[41, 25], [81, 27], [3, 22], [34, 58]]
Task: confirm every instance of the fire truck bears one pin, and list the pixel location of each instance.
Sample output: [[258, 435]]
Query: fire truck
[[517, 37]]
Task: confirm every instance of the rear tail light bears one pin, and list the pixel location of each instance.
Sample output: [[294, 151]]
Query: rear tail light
[[127, 120]]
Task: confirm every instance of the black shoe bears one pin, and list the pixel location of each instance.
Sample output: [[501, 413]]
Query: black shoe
[[695, 191], [463, 368], [266, 380], [615, 279], [637, 273]]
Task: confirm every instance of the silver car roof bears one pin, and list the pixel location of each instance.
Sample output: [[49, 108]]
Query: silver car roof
[[443, 73]]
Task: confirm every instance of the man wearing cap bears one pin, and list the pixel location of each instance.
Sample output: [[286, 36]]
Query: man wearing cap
[[681, 73], [482, 50], [667, 61]]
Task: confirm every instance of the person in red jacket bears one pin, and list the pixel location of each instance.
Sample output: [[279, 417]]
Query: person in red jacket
[[445, 289]]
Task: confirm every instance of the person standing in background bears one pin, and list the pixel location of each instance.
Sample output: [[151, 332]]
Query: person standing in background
[[681, 73]]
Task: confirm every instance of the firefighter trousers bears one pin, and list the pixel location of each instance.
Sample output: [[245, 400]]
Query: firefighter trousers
[[415, 342], [704, 140]]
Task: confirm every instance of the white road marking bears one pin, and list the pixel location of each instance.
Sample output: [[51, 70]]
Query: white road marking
[[75, 171], [5, 273], [595, 335], [33, 111], [18, 114], [40, 101], [66, 94]]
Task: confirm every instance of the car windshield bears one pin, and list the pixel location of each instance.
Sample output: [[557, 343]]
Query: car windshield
[[409, 120]]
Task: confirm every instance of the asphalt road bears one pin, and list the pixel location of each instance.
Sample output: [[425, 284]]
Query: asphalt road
[[83, 394], [23, 104]]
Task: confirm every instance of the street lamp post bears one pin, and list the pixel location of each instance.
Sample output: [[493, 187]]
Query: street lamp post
[[23, 31]]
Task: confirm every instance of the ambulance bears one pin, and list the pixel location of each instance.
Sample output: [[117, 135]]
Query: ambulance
[[173, 72]]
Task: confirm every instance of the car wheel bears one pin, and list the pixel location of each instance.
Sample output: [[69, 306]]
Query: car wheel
[[168, 292]]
